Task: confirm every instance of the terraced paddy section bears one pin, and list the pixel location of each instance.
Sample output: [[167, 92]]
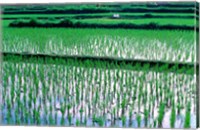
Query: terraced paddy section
[[170, 46], [97, 8], [107, 62], [99, 15], [187, 22], [76, 95]]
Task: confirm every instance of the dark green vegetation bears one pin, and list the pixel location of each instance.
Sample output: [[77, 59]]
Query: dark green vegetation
[[100, 65], [70, 24], [187, 117], [103, 62]]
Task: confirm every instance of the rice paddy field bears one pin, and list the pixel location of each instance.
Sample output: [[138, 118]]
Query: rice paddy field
[[94, 92], [95, 96], [117, 43]]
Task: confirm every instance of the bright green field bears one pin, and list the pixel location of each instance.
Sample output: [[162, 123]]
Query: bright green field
[[121, 43], [169, 21], [189, 22], [95, 14]]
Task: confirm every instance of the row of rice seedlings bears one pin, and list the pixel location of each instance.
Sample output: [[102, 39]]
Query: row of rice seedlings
[[72, 95], [187, 116]]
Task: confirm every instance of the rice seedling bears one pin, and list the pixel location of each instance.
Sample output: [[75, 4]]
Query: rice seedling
[[130, 118], [161, 114], [155, 123], [77, 122], [63, 115], [100, 121], [81, 113], [187, 116], [69, 119], [146, 116], [138, 120], [51, 121], [123, 120], [173, 115]]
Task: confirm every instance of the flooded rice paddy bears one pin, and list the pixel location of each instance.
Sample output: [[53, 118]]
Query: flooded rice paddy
[[53, 94]]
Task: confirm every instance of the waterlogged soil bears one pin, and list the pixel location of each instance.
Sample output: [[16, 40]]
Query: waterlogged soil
[[39, 94]]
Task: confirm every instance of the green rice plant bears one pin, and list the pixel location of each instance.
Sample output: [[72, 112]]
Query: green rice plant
[[187, 116], [34, 115], [77, 94], [118, 105], [157, 97], [18, 100], [85, 121], [123, 120], [34, 101], [100, 121], [173, 116], [130, 116], [50, 119], [104, 104], [114, 88], [178, 108], [123, 105], [134, 95], [82, 92], [26, 116], [30, 97], [154, 123], [69, 119], [68, 108], [146, 67], [160, 95], [31, 118], [22, 111], [93, 118], [25, 100], [63, 115], [113, 117], [96, 97], [89, 109], [146, 116], [67, 90], [153, 104], [109, 93], [145, 98], [77, 122], [139, 100], [46, 113], [161, 114], [8, 117], [37, 86], [138, 118], [18, 121], [12, 94], [56, 118], [81, 112]]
